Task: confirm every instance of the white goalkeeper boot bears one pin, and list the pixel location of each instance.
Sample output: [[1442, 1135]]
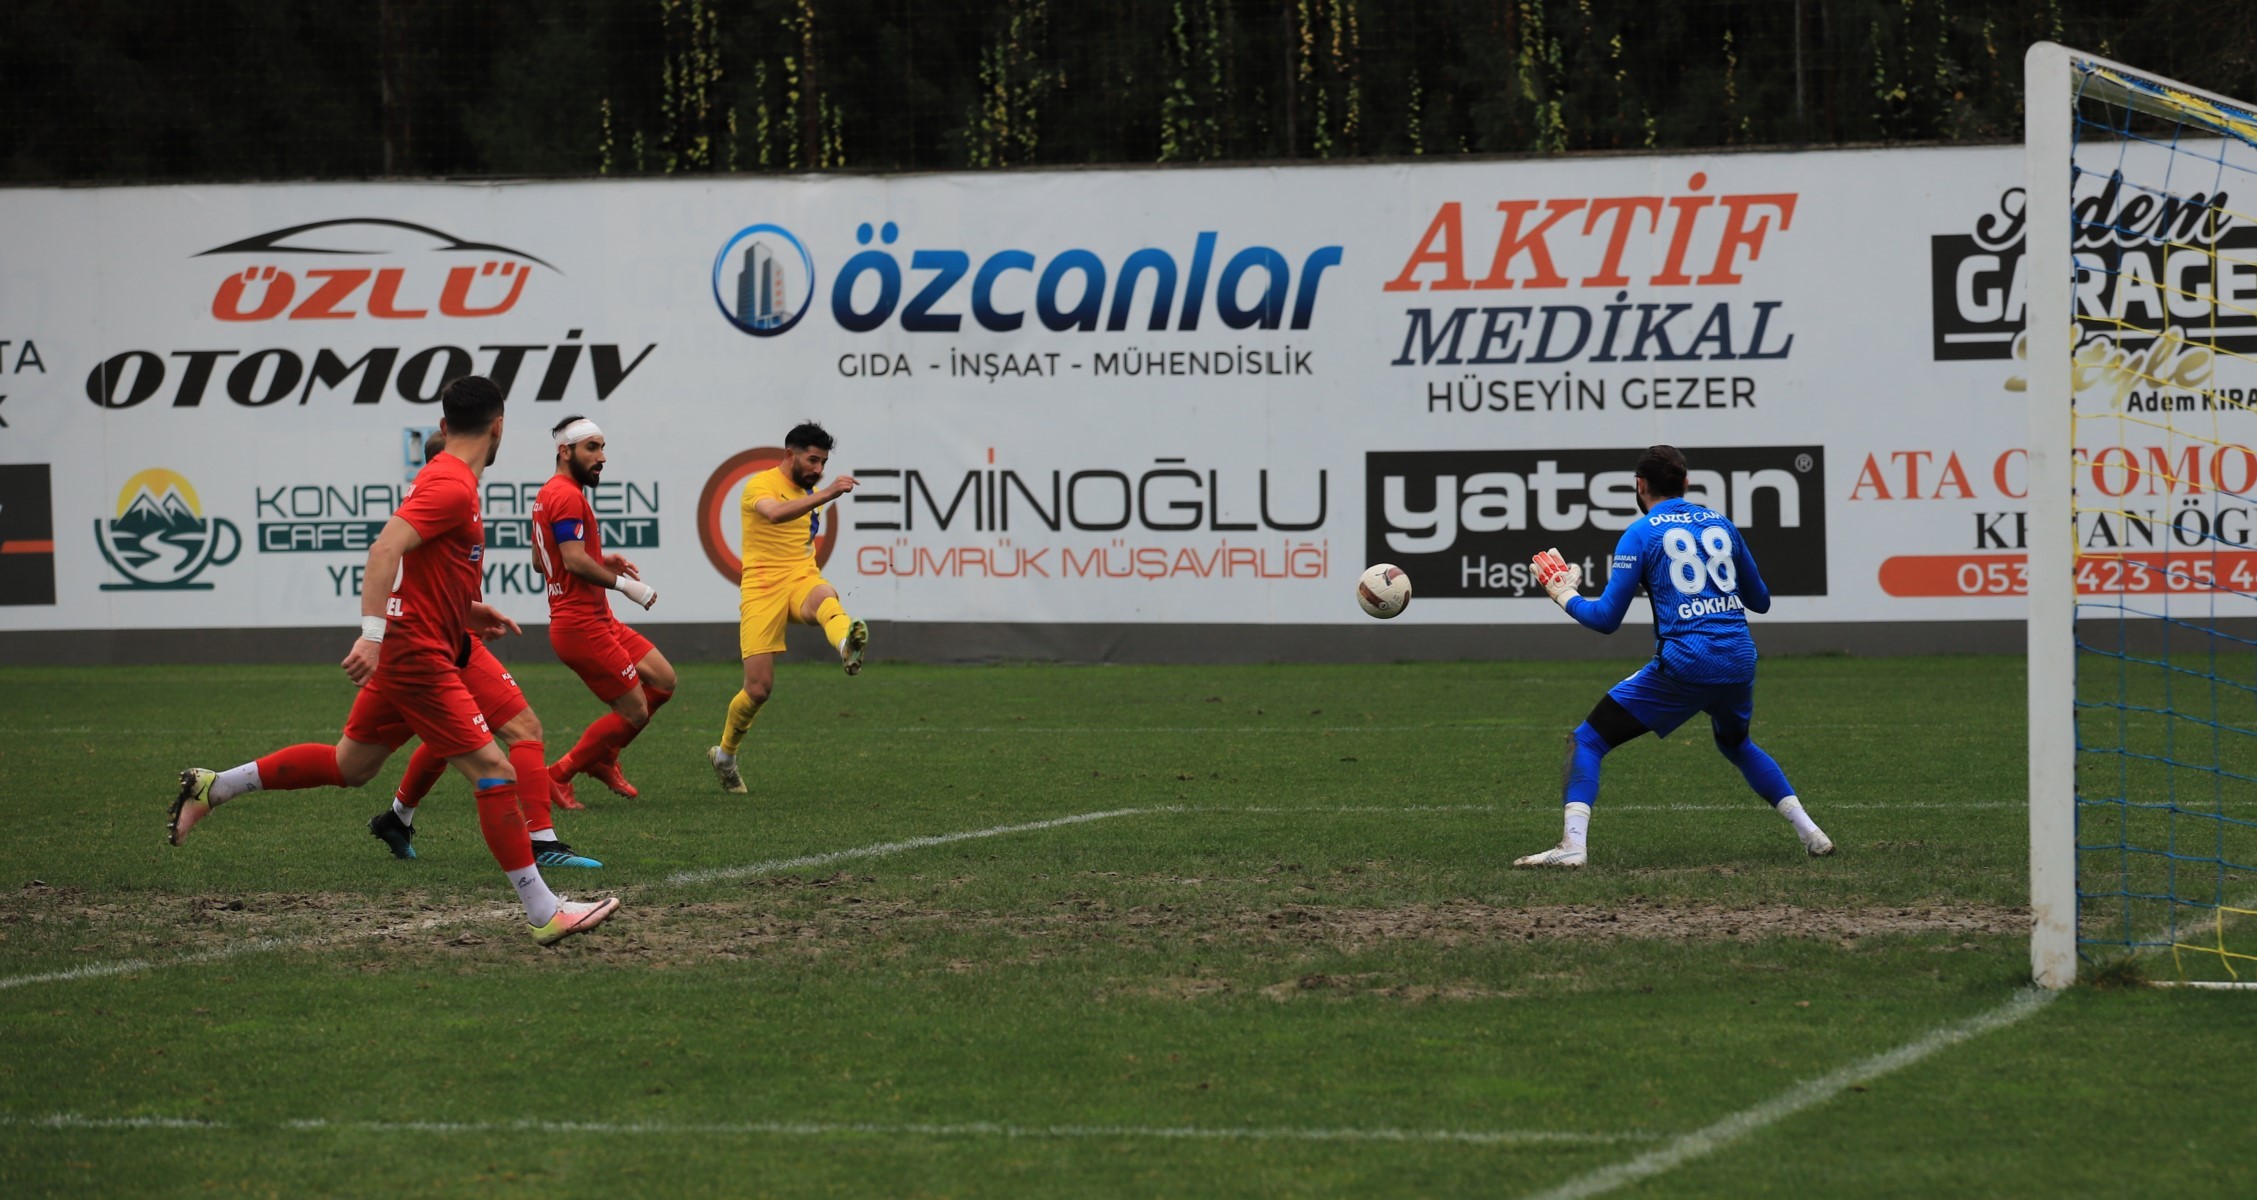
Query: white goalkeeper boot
[[1814, 840], [1557, 856], [1576, 831]]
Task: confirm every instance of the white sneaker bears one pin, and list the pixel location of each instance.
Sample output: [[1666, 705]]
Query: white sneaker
[[1818, 845], [725, 768], [1557, 856]]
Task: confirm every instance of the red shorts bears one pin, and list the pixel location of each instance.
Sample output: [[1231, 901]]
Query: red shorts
[[603, 656], [493, 687], [436, 708], [494, 696]]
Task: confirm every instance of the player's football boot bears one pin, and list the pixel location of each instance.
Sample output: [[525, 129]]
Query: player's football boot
[[560, 791], [574, 918], [557, 854], [388, 828], [1818, 845], [1557, 856], [850, 650], [725, 766], [608, 774], [192, 805]]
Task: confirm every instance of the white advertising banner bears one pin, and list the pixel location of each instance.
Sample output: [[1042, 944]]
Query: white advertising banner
[[1093, 396]]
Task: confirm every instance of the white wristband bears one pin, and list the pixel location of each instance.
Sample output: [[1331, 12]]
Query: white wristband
[[636, 590], [372, 629]]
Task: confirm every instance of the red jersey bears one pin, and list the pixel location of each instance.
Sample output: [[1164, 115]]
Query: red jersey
[[429, 610], [561, 514]]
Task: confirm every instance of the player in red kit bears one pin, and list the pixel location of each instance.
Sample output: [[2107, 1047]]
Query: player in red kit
[[512, 719], [419, 605], [619, 665]]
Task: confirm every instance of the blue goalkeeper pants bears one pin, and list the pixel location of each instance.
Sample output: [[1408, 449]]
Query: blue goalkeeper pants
[[1650, 701]]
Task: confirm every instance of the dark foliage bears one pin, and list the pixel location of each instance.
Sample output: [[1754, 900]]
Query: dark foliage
[[265, 89]]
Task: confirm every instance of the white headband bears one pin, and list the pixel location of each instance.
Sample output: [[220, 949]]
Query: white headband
[[578, 431]]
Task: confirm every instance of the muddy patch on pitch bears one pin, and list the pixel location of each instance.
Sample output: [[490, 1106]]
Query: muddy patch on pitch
[[961, 941], [799, 919], [1463, 922]]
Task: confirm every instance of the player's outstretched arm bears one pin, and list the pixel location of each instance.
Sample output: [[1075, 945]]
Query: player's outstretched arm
[[378, 576], [1753, 592], [778, 511], [1605, 613]]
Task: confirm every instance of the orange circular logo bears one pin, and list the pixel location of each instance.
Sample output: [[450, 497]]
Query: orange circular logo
[[718, 520]]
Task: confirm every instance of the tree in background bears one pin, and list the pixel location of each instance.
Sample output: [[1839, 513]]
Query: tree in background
[[268, 89]]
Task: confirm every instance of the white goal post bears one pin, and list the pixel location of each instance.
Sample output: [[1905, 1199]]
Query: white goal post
[[2052, 660], [2140, 270]]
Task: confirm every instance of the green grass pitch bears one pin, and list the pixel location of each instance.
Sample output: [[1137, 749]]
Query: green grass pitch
[[1284, 954]]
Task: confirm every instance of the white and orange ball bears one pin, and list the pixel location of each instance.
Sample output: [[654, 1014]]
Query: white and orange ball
[[1384, 591]]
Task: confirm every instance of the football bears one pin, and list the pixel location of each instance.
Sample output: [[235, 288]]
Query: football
[[1384, 591]]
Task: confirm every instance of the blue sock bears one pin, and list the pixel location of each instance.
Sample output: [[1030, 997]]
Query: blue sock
[[1759, 769], [1581, 782]]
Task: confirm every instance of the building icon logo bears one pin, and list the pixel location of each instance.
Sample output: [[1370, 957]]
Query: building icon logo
[[760, 288], [763, 280], [160, 539]]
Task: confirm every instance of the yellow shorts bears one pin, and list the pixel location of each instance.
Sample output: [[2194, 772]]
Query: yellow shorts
[[768, 606]]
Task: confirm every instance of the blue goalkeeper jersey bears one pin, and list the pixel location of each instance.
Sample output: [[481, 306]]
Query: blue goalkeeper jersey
[[1697, 571]]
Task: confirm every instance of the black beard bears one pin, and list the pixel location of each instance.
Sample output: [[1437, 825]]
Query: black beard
[[584, 476], [806, 481]]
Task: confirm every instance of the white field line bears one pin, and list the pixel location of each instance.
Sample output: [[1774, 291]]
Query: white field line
[[74, 1121], [1809, 1094], [881, 849], [135, 966], [963, 1129]]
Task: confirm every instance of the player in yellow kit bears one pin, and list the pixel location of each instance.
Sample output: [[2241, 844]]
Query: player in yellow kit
[[781, 514]]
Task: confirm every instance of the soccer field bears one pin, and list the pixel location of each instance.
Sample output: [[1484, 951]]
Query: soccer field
[[1167, 931]]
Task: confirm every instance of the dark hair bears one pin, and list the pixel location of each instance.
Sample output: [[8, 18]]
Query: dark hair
[[559, 426], [433, 442], [807, 435], [472, 402], [1663, 469]]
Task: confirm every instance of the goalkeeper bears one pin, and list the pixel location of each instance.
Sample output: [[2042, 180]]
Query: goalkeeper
[[1702, 580]]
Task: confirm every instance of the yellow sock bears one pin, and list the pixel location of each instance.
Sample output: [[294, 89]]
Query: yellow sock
[[831, 615], [741, 712]]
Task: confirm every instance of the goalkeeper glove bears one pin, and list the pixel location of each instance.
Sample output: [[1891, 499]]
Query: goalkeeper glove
[[636, 590], [1560, 577]]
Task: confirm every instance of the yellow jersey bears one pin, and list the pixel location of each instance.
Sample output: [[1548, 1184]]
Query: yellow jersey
[[773, 548]]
